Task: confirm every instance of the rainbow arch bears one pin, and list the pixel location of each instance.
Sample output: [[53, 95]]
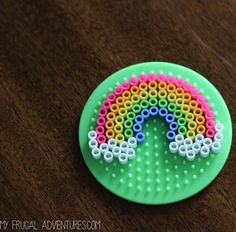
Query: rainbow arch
[[192, 126]]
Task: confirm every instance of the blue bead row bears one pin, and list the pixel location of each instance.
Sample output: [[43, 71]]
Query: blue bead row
[[150, 113]]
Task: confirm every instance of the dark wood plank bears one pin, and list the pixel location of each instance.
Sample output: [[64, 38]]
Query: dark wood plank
[[52, 55]]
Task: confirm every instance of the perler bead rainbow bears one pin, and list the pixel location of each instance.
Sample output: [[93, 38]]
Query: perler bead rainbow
[[192, 128]]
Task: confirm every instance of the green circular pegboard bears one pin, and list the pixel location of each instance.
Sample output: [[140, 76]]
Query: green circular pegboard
[[155, 176]]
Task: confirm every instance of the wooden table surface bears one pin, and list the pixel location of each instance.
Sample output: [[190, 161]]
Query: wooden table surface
[[53, 54]]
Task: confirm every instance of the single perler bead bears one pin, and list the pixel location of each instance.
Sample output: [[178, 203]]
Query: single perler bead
[[162, 94], [195, 93], [190, 134], [126, 95], [199, 138], [219, 137], [171, 88], [122, 112], [120, 101], [145, 114], [187, 87], [188, 142], [190, 155], [152, 93], [186, 97], [118, 120], [128, 133], [193, 105], [171, 97], [119, 138], [204, 152], [134, 81], [132, 142], [143, 95], [153, 111], [170, 80], [137, 127], [124, 146], [108, 156], [162, 86], [143, 87], [207, 142], [183, 150], [110, 116], [210, 133], [192, 125], [210, 124], [209, 115], [100, 130], [179, 82], [144, 104], [170, 135], [104, 148], [125, 85], [128, 105], [200, 120], [163, 112], [169, 118], [173, 147], [136, 108], [173, 126], [101, 121], [152, 85], [182, 130], [205, 107], [178, 114], [140, 137], [179, 138], [153, 102], [101, 139], [93, 143], [185, 108], [102, 112], [114, 108], [181, 121], [189, 117], [196, 147], [163, 103], [123, 158], [172, 107], [216, 146], [128, 124], [110, 133], [116, 151], [106, 104], [161, 77], [130, 153], [152, 77], [118, 128], [130, 115], [96, 153], [92, 134], [118, 91], [134, 90], [111, 97], [139, 119], [219, 127], [179, 92], [201, 129], [201, 100], [143, 78], [111, 143]]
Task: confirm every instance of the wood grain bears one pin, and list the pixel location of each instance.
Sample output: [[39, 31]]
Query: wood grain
[[52, 56]]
